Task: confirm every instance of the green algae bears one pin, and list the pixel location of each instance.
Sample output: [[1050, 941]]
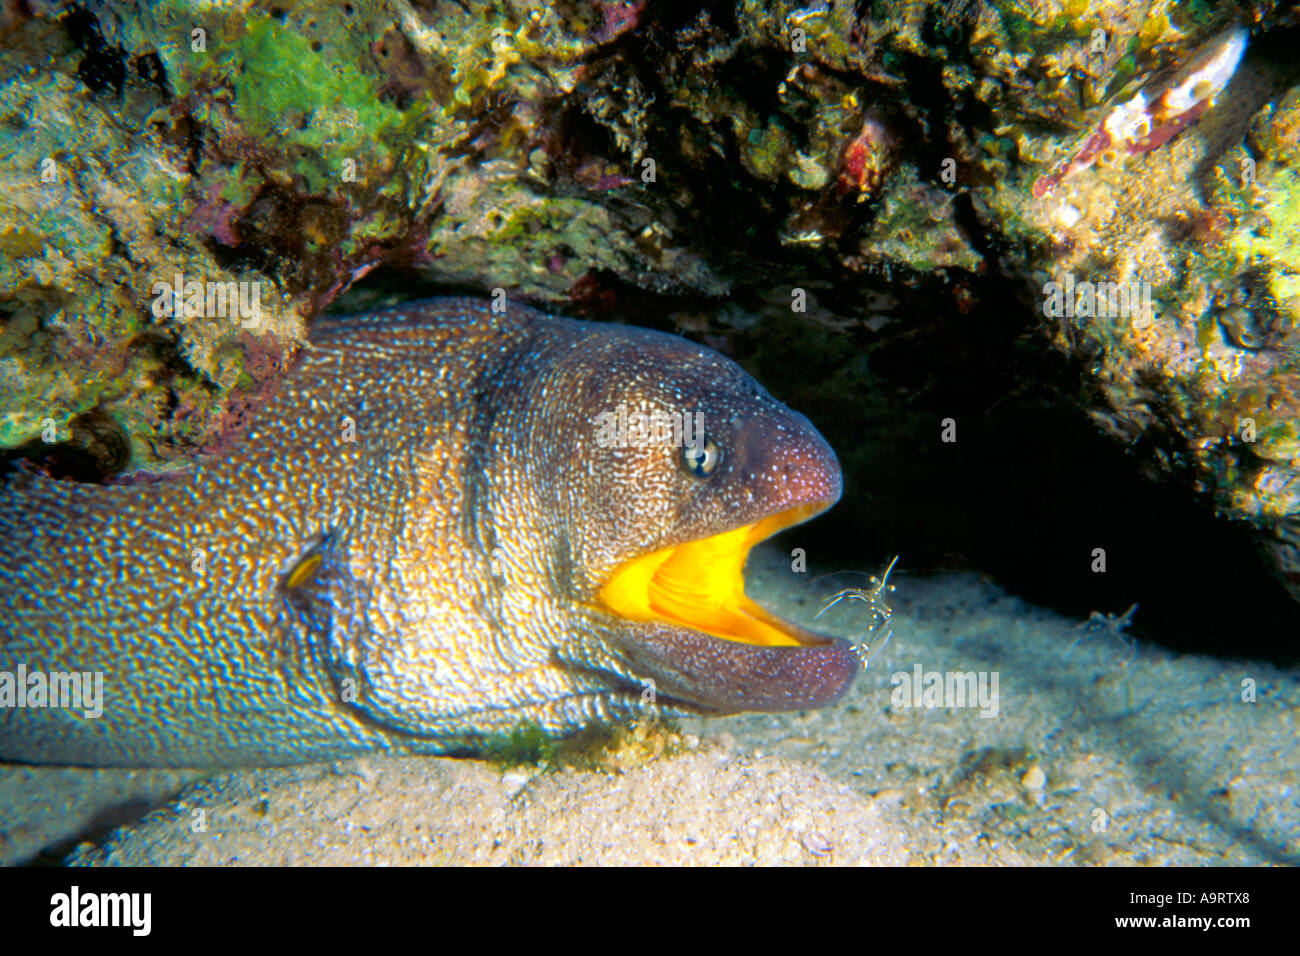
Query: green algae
[[601, 748], [1272, 239], [526, 745], [292, 97]]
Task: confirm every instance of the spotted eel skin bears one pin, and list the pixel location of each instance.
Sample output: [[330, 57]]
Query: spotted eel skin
[[405, 554]]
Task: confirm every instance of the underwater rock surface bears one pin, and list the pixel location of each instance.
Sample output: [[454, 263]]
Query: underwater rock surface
[[755, 174]]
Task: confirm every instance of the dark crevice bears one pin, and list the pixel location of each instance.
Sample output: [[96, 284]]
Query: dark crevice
[[96, 450], [103, 67]]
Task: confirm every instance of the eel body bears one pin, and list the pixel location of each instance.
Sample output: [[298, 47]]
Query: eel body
[[436, 532]]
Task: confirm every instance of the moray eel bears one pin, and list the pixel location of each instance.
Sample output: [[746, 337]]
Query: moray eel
[[420, 544]]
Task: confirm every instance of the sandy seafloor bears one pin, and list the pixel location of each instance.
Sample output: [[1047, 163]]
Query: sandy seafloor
[[1103, 751]]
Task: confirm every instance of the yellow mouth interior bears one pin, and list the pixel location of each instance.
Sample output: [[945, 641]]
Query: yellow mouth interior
[[701, 585]]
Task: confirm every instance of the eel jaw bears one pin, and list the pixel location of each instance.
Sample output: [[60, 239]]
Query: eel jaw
[[707, 644]]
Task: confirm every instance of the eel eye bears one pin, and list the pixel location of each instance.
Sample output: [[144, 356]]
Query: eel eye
[[701, 459]]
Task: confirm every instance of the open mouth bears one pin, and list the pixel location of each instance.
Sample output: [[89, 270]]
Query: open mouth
[[701, 585]]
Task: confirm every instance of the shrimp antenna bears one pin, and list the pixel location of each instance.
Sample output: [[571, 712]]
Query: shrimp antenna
[[880, 611]]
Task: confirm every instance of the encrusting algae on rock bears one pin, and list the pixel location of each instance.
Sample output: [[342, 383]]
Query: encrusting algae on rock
[[674, 165]]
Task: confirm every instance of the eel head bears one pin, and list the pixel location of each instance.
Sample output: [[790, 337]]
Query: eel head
[[681, 463]]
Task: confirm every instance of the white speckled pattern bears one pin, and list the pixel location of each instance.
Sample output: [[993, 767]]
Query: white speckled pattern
[[462, 537]]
